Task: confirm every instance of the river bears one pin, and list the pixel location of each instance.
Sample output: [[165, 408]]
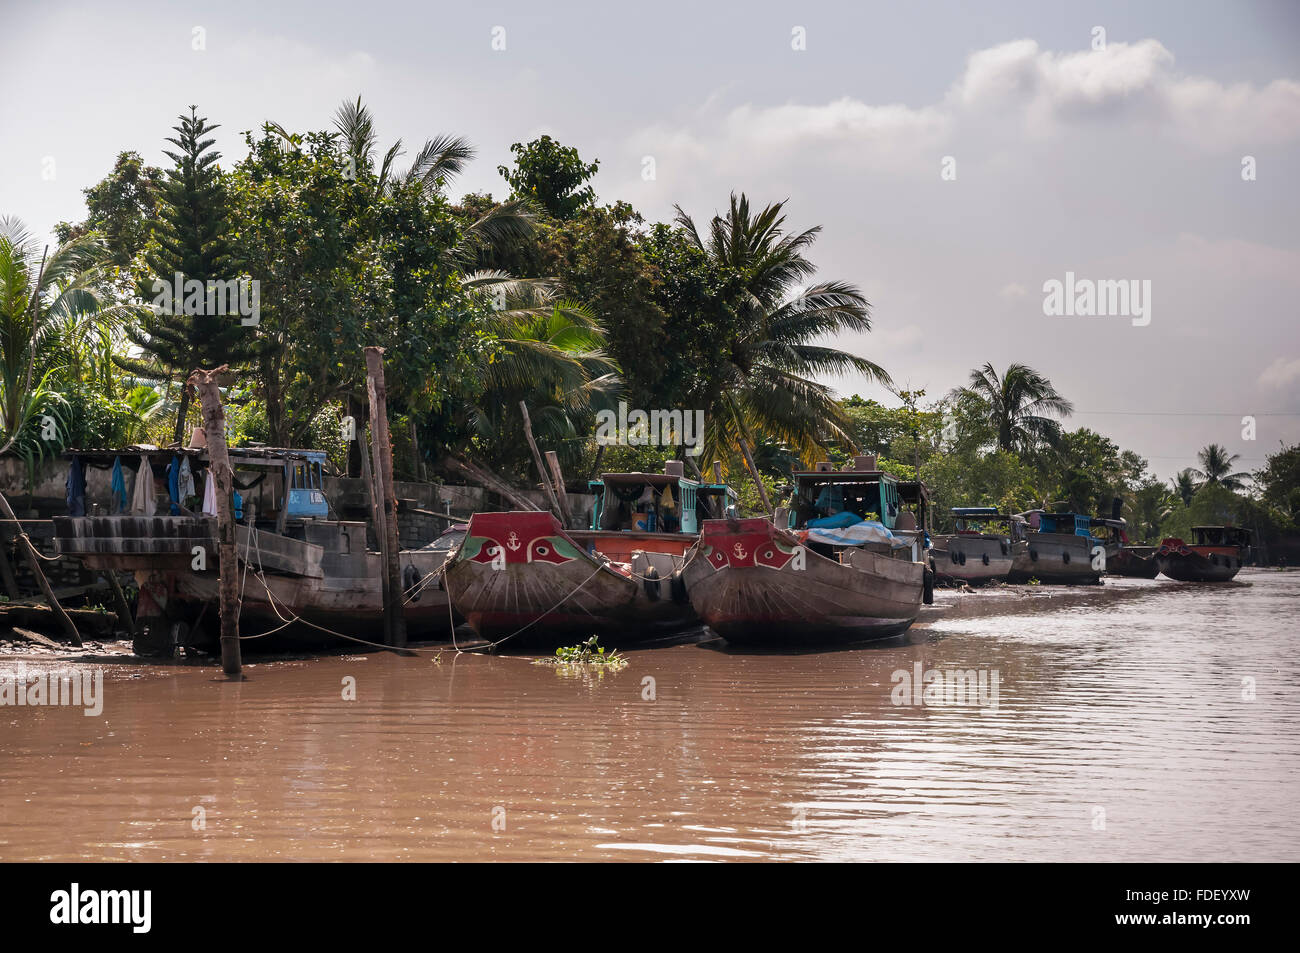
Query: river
[[1142, 720]]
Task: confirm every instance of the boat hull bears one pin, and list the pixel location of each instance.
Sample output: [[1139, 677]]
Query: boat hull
[[1198, 563], [975, 560], [294, 592], [520, 577], [755, 585], [1056, 558], [1137, 562]]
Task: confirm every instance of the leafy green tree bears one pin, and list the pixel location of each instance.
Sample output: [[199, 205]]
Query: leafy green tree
[[1279, 482], [1091, 471], [1019, 405], [190, 240], [1216, 467], [552, 175], [122, 208]]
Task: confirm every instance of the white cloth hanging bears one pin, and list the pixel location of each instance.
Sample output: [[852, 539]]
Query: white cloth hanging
[[209, 494], [143, 502], [185, 481]]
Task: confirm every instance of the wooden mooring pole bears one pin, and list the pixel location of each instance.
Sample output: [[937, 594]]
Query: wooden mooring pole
[[382, 448], [205, 383]]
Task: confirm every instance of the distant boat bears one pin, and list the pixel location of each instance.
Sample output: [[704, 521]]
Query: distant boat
[[1123, 558], [1216, 555], [847, 564], [974, 554], [521, 576], [1061, 549]]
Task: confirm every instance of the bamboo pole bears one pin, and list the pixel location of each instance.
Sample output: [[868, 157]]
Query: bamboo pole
[[206, 384], [557, 477], [758, 481], [537, 461], [382, 449], [485, 479], [34, 558], [123, 610]]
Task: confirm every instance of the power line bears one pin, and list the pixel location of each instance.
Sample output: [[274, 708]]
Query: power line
[[1180, 413]]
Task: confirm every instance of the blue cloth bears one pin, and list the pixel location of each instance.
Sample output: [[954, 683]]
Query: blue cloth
[[119, 488], [838, 521], [830, 498], [239, 506], [173, 485], [76, 487]]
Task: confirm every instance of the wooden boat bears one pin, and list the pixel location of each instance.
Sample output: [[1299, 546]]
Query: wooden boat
[[1216, 555], [520, 576], [1060, 549], [973, 554], [1123, 558], [298, 566], [804, 583]]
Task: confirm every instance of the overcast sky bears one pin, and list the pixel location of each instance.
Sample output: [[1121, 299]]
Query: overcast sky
[[1117, 163]]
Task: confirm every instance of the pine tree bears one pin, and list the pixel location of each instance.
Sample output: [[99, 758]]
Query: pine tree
[[178, 335]]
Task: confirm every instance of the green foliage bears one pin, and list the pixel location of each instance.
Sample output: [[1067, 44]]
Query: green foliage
[[1216, 467], [122, 208], [552, 175], [189, 239], [1019, 406], [586, 653], [1279, 483]]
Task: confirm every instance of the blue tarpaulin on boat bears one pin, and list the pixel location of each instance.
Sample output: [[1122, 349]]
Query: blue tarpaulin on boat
[[838, 521], [863, 531]]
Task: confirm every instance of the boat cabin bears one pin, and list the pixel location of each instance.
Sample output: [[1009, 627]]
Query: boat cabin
[[976, 520], [667, 502], [1221, 536], [862, 490], [1065, 524], [1110, 530]]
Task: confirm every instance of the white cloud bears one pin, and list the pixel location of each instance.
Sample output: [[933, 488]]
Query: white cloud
[[1282, 374], [1046, 92]]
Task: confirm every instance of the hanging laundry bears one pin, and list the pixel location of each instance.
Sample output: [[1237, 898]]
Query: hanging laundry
[[186, 481], [119, 500], [143, 502], [209, 494], [173, 485], [76, 487]]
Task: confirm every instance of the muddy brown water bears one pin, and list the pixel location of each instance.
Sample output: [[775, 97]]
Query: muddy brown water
[[1142, 720]]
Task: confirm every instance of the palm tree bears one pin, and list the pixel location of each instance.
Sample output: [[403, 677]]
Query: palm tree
[[1185, 485], [1019, 405], [439, 161], [549, 353], [1215, 466], [764, 386], [45, 297]]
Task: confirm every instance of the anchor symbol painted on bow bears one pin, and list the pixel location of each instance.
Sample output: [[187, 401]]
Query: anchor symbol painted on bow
[[739, 550], [513, 541]]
